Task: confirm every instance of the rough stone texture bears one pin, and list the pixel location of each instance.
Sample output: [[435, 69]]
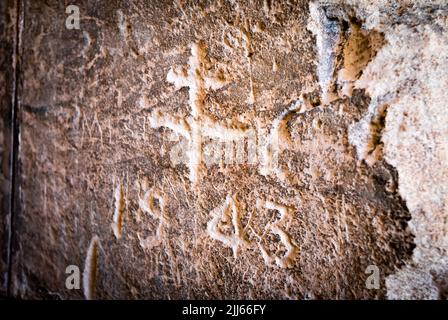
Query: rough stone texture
[[407, 125], [229, 149]]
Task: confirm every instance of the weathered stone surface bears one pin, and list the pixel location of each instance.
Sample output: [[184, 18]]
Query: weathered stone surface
[[232, 150]]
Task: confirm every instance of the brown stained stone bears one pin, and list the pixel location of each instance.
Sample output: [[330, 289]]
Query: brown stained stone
[[103, 108], [8, 26]]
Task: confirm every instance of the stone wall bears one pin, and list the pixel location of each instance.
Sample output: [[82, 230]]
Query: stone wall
[[225, 149]]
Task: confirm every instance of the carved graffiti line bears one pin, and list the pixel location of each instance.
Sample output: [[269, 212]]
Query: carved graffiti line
[[230, 209]]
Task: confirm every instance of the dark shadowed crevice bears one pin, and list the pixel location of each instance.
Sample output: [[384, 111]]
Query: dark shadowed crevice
[[15, 130]]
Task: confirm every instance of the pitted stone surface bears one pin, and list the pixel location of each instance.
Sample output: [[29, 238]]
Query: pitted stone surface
[[231, 149]]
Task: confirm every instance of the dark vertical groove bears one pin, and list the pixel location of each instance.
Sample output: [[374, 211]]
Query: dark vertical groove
[[14, 157]]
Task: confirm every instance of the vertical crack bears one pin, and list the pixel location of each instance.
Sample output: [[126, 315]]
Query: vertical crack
[[14, 166]]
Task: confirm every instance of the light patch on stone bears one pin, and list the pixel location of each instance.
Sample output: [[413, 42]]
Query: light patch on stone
[[327, 33], [119, 210], [366, 134], [359, 49], [198, 125]]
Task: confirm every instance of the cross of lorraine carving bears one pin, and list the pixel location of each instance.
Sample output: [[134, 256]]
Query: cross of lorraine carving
[[198, 125]]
